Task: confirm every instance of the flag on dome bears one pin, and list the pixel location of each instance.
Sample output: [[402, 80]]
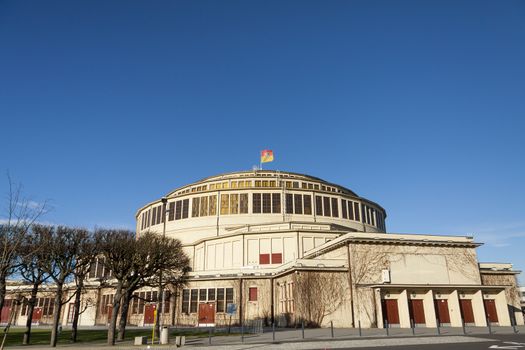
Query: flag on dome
[[266, 156]]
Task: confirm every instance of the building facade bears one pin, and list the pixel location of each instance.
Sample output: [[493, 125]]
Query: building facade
[[287, 248]]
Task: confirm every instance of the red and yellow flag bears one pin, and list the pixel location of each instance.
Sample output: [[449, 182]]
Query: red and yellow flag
[[266, 156]]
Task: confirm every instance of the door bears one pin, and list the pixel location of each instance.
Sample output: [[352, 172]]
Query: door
[[490, 310], [390, 312], [466, 310], [37, 315], [442, 314], [149, 313], [417, 311], [206, 313]]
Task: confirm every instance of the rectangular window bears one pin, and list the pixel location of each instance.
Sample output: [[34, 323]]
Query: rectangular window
[[171, 215], [204, 206], [154, 220], [225, 204], [185, 208], [289, 203], [350, 210], [167, 299], [220, 299], [202, 295], [229, 296], [335, 208], [185, 301], [307, 204], [243, 203], [277, 258], [195, 207], [178, 210], [193, 302], [159, 214], [298, 200], [256, 203], [234, 204], [276, 203], [213, 205], [363, 213], [267, 203], [326, 206], [211, 294], [344, 209], [356, 211], [264, 259], [252, 295], [318, 205]]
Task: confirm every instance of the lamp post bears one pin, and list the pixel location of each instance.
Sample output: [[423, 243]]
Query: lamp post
[[160, 309]]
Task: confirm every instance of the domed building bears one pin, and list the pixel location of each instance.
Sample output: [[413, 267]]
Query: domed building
[[285, 247]]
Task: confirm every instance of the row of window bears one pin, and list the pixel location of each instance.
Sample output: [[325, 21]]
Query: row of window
[[264, 203], [98, 269], [140, 299], [192, 297], [46, 304]]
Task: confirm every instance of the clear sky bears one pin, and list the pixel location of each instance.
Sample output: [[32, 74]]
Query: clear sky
[[417, 105]]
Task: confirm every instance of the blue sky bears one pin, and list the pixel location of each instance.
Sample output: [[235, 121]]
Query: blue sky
[[419, 106]]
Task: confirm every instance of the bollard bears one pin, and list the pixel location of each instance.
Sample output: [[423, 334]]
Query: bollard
[[242, 333], [413, 326], [463, 325], [209, 336], [273, 331], [302, 328], [386, 327], [359, 323], [488, 325], [437, 323], [332, 328]]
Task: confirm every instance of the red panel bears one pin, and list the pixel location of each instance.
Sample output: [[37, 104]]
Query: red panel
[[277, 258], [264, 259], [417, 311], [390, 311], [207, 313], [490, 310], [253, 294]]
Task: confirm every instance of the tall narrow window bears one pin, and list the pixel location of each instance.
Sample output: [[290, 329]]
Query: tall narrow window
[[307, 204], [243, 203], [276, 203], [194, 300], [234, 204], [344, 209], [356, 211], [178, 210], [204, 206], [289, 203], [256, 203], [229, 296], [225, 204], [195, 207], [318, 205], [298, 201], [267, 203], [171, 210], [350, 210], [154, 220], [159, 214], [335, 208], [220, 299], [213, 205], [326, 206], [185, 208]]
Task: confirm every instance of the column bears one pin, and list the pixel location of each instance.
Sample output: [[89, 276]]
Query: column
[[479, 309], [404, 314], [430, 312], [454, 309], [502, 309]]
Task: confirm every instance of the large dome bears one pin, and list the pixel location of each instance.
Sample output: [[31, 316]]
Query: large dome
[[214, 205]]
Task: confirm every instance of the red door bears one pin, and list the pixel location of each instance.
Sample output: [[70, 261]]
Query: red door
[[206, 313], [37, 315], [490, 310], [417, 311], [442, 314], [4, 317], [149, 313], [390, 311], [466, 310]]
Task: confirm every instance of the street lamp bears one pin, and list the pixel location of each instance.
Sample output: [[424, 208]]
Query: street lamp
[[160, 310]]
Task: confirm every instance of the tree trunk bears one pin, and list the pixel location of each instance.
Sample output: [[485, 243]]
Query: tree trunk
[[56, 314], [30, 307], [76, 310], [3, 277], [124, 315], [114, 313]]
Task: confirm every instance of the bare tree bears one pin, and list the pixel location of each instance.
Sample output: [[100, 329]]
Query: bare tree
[[313, 299], [134, 263], [20, 214], [64, 250], [33, 258]]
